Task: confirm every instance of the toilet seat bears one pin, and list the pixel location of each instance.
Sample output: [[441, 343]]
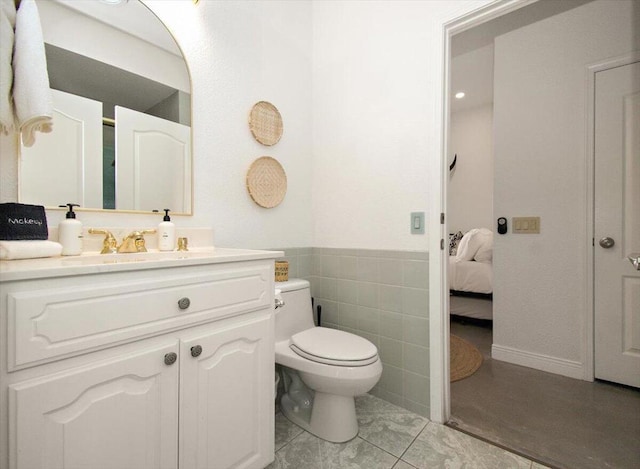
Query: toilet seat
[[333, 347]]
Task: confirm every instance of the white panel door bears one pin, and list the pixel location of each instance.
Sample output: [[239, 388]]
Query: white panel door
[[118, 414], [617, 225], [153, 163], [65, 165], [226, 395]]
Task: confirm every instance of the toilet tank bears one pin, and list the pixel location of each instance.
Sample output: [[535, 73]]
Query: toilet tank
[[296, 315]]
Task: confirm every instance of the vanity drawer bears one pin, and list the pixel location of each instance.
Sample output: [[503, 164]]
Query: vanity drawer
[[62, 321]]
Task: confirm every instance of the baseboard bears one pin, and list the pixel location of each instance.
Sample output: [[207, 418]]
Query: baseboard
[[559, 366]]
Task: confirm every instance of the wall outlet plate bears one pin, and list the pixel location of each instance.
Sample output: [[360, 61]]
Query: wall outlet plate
[[417, 222], [525, 225]]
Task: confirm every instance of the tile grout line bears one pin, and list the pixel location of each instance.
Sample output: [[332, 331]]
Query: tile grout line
[[291, 439], [398, 458], [376, 446], [413, 441]]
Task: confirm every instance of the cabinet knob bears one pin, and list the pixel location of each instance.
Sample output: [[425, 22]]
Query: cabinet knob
[[184, 303], [170, 358], [196, 350]]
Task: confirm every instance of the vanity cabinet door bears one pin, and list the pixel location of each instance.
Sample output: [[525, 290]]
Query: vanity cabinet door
[[226, 394], [119, 413]]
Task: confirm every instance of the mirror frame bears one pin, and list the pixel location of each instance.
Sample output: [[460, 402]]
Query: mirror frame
[[191, 176]]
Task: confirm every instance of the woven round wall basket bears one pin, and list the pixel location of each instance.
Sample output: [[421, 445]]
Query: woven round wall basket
[[265, 123], [266, 182]]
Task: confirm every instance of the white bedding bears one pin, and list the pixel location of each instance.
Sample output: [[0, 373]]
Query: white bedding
[[470, 276]]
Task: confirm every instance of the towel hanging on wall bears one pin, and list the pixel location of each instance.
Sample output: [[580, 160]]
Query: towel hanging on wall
[[7, 27], [31, 93]]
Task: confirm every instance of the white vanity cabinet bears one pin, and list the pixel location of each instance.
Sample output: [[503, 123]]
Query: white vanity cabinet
[[163, 367], [223, 391], [120, 413]]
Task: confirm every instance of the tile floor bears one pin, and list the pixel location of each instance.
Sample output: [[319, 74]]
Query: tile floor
[[390, 437]]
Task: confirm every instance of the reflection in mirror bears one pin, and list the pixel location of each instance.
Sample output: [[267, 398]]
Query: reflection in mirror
[[122, 112]]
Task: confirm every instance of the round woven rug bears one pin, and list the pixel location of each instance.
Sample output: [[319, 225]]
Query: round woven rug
[[465, 358]]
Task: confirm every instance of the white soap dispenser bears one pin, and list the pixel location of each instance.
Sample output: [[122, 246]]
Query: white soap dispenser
[[70, 233], [166, 233]]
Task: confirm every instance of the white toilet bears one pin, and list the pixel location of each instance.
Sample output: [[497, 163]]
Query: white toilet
[[324, 369]]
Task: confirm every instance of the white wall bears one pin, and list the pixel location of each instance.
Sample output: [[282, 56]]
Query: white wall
[[540, 170], [377, 81], [238, 53], [471, 182]]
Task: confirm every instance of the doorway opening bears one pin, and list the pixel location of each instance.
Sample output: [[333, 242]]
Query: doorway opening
[[534, 393]]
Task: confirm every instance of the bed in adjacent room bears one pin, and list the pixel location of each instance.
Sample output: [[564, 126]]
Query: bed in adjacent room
[[471, 274]]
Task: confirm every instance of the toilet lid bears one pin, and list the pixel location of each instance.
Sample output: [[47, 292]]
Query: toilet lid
[[334, 347]]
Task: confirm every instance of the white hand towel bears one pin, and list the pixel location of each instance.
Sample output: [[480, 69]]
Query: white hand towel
[[7, 26], [31, 94], [29, 249]]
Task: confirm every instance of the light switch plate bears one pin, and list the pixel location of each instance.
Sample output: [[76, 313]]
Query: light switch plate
[[525, 225], [417, 222]]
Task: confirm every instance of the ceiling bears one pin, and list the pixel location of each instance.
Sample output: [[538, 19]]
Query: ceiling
[[472, 51], [472, 73]]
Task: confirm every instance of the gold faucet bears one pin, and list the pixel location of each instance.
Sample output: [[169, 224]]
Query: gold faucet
[[109, 245], [133, 242]]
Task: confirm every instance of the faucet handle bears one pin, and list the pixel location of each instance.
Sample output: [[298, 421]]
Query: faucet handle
[[110, 244], [139, 240]]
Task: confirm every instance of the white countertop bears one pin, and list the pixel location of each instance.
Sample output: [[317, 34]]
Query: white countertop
[[96, 263]]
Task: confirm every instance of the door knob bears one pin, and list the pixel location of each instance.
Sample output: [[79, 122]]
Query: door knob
[[607, 242], [634, 258]]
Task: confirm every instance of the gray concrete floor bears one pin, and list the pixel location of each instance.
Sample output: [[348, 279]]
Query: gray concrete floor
[[558, 421]]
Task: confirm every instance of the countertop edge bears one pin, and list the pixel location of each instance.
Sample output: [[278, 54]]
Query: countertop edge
[[56, 267]]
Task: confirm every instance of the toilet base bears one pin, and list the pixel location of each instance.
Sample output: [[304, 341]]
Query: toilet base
[[333, 417]]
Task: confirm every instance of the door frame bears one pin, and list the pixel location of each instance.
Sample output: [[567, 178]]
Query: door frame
[[440, 387], [440, 392], [588, 344]]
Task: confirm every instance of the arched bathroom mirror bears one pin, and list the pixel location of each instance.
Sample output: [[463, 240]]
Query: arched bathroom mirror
[[122, 112]]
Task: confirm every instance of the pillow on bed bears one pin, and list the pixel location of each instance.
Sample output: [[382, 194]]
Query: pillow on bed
[[471, 243], [467, 248], [485, 251], [454, 240]]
